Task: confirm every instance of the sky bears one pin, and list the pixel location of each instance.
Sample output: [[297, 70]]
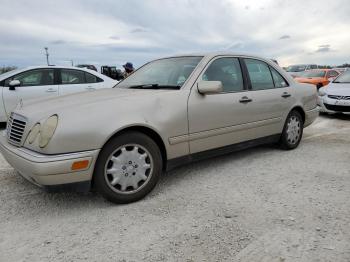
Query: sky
[[112, 32]]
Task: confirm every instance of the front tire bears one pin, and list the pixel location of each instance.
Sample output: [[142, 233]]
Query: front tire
[[128, 168], [292, 131]]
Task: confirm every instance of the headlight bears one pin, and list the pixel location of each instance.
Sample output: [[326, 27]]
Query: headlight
[[33, 133], [47, 130], [321, 92]]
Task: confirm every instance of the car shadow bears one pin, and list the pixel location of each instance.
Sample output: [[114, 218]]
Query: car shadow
[[339, 116], [31, 201], [206, 165]]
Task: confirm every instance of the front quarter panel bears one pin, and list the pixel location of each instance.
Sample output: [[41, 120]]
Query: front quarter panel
[[89, 127]]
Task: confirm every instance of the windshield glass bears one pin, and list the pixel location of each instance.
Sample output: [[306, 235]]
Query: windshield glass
[[296, 68], [313, 74], [343, 78], [164, 72]]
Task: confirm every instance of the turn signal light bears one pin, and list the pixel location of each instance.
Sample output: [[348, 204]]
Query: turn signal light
[[80, 165]]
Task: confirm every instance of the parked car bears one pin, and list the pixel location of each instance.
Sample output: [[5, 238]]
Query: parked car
[[112, 72], [91, 67], [341, 69], [169, 112], [336, 97], [317, 77], [46, 82], [297, 70]]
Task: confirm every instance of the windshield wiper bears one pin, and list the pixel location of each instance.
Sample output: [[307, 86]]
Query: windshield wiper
[[155, 86]]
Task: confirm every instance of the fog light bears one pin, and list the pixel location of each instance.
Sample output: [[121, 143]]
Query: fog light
[[78, 165]]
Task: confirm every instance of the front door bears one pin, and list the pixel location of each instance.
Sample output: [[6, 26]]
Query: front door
[[217, 120], [36, 83]]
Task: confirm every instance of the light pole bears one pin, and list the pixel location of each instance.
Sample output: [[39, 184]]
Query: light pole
[[47, 55]]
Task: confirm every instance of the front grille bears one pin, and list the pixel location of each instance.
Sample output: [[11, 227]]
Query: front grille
[[337, 108], [339, 97], [15, 129]]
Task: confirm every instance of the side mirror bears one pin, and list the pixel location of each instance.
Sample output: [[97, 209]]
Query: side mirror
[[209, 87], [13, 84]]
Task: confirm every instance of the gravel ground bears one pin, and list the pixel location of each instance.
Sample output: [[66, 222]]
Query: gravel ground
[[261, 204]]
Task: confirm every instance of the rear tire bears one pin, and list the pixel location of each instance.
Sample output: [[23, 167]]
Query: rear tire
[[292, 131], [128, 168]]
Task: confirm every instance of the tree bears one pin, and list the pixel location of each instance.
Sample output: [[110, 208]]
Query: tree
[[5, 69]]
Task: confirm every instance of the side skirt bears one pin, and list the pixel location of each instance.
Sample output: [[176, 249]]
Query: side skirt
[[180, 161]]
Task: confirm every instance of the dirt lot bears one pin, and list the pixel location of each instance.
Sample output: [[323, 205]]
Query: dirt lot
[[261, 204]]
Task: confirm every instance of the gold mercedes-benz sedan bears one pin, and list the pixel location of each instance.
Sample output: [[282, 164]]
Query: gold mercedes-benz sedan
[[169, 112]]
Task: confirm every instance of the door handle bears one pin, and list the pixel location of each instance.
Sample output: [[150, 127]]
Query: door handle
[[285, 95], [245, 99], [90, 88], [51, 90]]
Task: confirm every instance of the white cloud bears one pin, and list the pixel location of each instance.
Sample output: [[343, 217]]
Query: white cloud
[[112, 32]]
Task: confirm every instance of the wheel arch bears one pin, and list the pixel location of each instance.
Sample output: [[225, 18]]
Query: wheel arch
[[148, 131], [300, 110]]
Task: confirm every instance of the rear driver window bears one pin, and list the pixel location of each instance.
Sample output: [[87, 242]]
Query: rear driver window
[[259, 74], [228, 71], [90, 78], [71, 77], [278, 79]]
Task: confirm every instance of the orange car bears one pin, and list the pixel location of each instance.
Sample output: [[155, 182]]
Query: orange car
[[318, 77]]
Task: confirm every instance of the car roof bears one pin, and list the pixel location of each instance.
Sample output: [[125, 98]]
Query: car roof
[[214, 54], [16, 71]]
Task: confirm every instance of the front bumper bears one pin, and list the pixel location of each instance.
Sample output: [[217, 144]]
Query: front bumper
[[49, 171], [329, 105]]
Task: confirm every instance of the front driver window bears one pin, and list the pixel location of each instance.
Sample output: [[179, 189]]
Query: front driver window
[[228, 71], [40, 77]]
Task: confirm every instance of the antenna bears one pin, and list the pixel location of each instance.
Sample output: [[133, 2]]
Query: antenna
[[47, 55]]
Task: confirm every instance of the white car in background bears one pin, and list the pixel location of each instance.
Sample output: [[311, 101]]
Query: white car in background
[[45, 82], [335, 97]]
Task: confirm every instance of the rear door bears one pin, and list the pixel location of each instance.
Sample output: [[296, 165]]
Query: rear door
[[75, 80], [36, 83], [271, 95]]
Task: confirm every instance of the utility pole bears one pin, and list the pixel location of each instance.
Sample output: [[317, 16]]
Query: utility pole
[[47, 55]]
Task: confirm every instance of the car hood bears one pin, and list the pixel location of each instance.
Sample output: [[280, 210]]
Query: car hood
[[43, 107], [338, 89]]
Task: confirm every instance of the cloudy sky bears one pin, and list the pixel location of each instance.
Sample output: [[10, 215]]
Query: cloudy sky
[[115, 31]]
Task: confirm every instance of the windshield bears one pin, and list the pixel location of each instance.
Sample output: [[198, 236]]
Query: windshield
[[296, 68], [313, 74], [163, 72], [343, 78]]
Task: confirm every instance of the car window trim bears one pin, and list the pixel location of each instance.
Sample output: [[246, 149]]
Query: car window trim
[[30, 70]]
